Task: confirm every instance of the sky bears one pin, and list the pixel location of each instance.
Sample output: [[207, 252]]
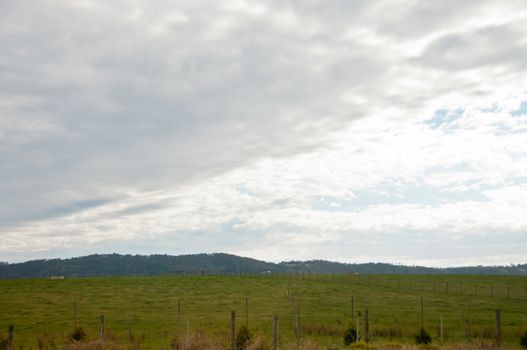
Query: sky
[[350, 130]]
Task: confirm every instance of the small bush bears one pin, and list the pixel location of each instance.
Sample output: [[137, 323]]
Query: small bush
[[78, 335], [422, 337], [523, 340], [3, 342], [350, 336], [243, 338]]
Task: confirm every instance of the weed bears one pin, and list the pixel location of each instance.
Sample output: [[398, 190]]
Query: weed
[[422, 337], [243, 338], [78, 334], [3, 342], [350, 336], [523, 340]]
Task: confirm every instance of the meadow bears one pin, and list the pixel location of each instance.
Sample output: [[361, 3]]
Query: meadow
[[143, 311]]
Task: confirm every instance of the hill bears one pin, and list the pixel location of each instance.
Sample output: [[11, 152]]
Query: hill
[[219, 263]]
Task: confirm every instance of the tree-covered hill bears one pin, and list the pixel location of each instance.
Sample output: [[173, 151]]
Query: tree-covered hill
[[219, 263]]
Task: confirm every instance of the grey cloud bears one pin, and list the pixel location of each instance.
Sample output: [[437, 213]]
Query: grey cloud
[[137, 209], [412, 19], [125, 107], [100, 100], [488, 46]]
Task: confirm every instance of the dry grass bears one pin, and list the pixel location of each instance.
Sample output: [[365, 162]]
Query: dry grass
[[196, 341], [322, 329], [461, 346], [200, 342]]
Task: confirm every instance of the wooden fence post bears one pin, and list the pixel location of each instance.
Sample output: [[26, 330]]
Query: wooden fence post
[[422, 313], [179, 320], [298, 327], [441, 328], [188, 329], [101, 334], [508, 292], [10, 337], [75, 313], [352, 311], [366, 326], [498, 327], [247, 313], [275, 332], [357, 339], [233, 330]]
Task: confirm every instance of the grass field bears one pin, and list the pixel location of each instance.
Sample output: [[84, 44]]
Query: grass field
[[146, 307]]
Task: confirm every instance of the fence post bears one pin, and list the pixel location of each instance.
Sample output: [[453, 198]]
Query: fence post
[[366, 326], [357, 340], [247, 313], [188, 329], [498, 327], [298, 327], [422, 313], [10, 337], [441, 327], [179, 320], [75, 313], [352, 311], [508, 292], [101, 335], [233, 330], [275, 332]]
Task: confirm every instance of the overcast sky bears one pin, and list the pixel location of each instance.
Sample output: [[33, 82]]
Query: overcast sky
[[346, 130]]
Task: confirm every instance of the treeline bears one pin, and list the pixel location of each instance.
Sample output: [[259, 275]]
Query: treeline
[[219, 263]]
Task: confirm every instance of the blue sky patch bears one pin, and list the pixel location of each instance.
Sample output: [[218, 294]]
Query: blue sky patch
[[520, 111], [442, 116], [390, 195]]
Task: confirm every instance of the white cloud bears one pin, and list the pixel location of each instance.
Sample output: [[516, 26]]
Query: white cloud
[[208, 127]]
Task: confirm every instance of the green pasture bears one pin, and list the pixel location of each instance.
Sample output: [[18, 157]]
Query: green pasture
[[145, 309]]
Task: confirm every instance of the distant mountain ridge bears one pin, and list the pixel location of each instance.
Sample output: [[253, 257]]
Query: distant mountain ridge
[[219, 263]]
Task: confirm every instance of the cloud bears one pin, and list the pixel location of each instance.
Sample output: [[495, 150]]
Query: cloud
[[495, 46], [212, 127]]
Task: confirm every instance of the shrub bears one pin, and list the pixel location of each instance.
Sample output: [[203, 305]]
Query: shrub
[[243, 338], [350, 336], [3, 342], [523, 340], [422, 337], [78, 334]]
